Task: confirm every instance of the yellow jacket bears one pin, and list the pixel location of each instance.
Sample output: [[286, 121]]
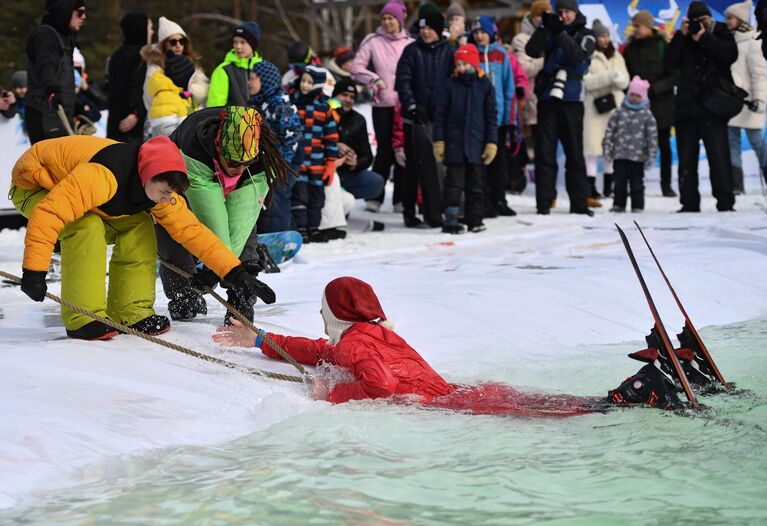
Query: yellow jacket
[[77, 186], [166, 100]]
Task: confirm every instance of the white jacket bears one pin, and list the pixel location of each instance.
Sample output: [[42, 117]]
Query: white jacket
[[597, 82], [750, 73]]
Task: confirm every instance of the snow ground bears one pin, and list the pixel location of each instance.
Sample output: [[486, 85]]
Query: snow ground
[[507, 304]]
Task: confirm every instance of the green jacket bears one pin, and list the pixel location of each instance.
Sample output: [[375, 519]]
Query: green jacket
[[229, 81]]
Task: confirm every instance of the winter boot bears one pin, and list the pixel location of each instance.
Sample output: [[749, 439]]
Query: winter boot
[[618, 209], [411, 221], [648, 386], [504, 209], [476, 229], [94, 330], [737, 181], [593, 202], [333, 233], [187, 306], [608, 186], [317, 236], [451, 225], [152, 325], [593, 192], [667, 191]]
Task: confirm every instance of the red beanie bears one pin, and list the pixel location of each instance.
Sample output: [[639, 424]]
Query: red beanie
[[468, 53], [353, 300], [157, 156]]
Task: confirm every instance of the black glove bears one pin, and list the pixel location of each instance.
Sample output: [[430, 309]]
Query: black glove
[[248, 287], [33, 284], [53, 95], [204, 277], [552, 22], [520, 92]]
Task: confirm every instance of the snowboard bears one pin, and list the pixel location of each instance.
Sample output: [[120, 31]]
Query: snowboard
[[282, 246]]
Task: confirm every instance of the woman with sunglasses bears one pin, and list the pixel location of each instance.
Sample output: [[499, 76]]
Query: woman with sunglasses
[[232, 161], [50, 69], [174, 86]]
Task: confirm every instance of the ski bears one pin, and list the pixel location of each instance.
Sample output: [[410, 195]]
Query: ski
[[666, 348], [689, 337]]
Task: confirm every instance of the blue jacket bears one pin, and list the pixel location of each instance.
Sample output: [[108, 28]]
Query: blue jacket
[[420, 70], [466, 118], [571, 50], [494, 60]]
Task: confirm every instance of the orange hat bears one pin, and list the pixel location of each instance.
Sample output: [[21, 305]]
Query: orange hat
[[157, 156]]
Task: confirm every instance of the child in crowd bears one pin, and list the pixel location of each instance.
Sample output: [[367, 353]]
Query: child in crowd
[[465, 137], [631, 141], [320, 138], [229, 81]]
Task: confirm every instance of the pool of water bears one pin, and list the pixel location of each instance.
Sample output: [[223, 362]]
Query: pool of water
[[378, 463]]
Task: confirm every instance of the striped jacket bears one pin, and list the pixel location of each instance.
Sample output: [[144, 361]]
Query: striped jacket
[[320, 135]]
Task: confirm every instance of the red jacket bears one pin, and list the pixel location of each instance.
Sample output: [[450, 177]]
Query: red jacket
[[383, 363]]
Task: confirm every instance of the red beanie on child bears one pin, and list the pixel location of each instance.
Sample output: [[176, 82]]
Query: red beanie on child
[[468, 53], [157, 156]]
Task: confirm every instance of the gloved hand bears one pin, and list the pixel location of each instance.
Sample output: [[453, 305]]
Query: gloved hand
[[418, 114], [399, 156], [204, 277], [33, 284], [757, 106], [520, 92], [248, 287], [552, 22], [53, 95], [185, 94], [488, 154], [439, 151], [329, 173]]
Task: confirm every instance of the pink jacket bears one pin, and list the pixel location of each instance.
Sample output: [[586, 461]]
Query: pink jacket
[[520, 79], [381, 51]]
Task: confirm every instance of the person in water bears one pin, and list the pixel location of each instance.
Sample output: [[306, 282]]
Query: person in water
[[361, 339]]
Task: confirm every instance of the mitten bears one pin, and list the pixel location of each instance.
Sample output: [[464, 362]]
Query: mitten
[[33, 284], [488, 154], [248, 287], [329, 172], [439, 150]]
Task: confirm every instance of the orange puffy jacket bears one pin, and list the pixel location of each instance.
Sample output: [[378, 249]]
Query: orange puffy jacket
[[90, 174]]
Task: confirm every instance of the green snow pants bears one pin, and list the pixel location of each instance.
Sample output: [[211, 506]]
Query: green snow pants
[[84, 263]]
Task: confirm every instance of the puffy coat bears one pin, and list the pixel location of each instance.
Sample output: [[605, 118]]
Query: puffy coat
[[420, 71], [531, 66], [570, 50], [90, 174], [377, 58], [320, 134], [466, 117], [495, 62], [229, 81], [382, 362], [598, 83], [353, 131], [700, 65], [166, 96], [631, 135], [750, 73], [645, 57]]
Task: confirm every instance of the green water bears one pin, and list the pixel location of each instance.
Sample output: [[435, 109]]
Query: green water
[[375, 463]]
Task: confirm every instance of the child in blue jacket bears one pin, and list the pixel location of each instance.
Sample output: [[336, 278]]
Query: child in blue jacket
[[465, 137]]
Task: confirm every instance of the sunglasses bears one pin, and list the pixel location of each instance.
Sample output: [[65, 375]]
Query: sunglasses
[[237, 164], [176, 42], [80, 12]]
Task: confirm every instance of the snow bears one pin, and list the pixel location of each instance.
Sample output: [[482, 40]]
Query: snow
[[506, 304]]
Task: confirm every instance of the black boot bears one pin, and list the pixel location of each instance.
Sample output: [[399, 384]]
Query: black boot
[[333, 233], [411, 221], [504, 209], [152, 325], [608, 186], [187, 306], [94, 330], [666, 190], [593, 192]]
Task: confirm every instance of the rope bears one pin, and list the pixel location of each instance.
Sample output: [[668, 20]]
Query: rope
[[164, 343], [249, 324]]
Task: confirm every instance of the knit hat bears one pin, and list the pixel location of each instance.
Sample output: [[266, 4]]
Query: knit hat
[[157, 156], [572, 5], [345, 86], [428, 7], [300, 53], [319, 77], [644, 18], [167, 28], [455, 9], [468, 53], [271, 84], [599, 28], [178, 68], [19, 79], [134, 26], [741, 11], [347, 301], [486, 24], [239, 134], [250, 31], [639, 86], [396, 9], [539, 7], [342, 55], [696, 9], [433, 20]]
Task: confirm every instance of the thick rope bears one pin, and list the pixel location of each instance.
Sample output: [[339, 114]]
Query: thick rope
[[249, 324], [164, 343]]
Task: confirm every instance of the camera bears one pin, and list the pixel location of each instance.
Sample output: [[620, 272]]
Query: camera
[[558, 89], [694, 26]]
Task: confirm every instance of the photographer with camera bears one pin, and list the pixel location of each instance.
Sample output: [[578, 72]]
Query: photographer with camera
[[7, 104], [567, 46], [706, 99]]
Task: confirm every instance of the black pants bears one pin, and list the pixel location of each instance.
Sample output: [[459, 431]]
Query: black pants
[[174, 286], [422, 170], [383, 124], [628, 173], [664, 147], [560, 122], [498, 172], [307, 200], [713, 132], [36, 128], [466, 179]]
